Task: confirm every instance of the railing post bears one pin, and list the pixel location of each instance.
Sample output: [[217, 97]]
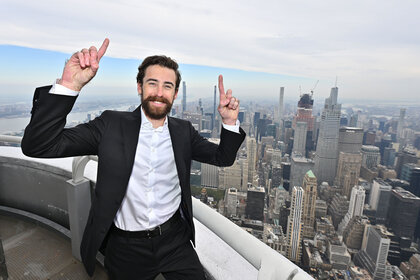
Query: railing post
[[78, 203]]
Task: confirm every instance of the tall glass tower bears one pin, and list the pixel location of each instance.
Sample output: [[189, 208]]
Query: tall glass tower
[[294, 226], [184, 97], [326, 149]]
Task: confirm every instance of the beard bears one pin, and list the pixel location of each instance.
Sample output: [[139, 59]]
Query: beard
[[156, 113]]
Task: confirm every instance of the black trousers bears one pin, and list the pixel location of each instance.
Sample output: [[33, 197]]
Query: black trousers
[[171, 254]]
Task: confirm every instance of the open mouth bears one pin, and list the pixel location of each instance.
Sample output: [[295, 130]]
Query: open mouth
[[158, 103]]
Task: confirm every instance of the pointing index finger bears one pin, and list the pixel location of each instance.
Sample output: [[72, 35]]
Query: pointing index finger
[[103, 48], [221, 87]]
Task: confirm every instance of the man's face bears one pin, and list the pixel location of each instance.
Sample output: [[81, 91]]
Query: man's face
[[157, 91]]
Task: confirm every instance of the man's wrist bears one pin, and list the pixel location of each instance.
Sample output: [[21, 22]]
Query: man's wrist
[[229, 122], [59, 89], [233, 128], [68, 85]]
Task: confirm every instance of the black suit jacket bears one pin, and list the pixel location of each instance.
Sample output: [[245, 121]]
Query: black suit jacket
[[113, 137]]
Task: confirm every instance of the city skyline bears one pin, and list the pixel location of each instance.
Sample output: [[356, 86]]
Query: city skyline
[[371, 47]]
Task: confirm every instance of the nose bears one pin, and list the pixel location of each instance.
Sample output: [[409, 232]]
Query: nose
[[160, 90]]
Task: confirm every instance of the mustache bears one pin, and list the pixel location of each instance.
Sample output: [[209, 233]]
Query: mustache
[[158, 99]]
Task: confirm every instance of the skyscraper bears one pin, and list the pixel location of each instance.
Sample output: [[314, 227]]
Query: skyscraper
[[338, 208], [310, 192], [304, 114], [357, 201], [255, 121], [410, 172], [374, 253], [299, 167], [213, 124], [353, 233], [210, 173], [388, 158], [230, 176], [405, 156], [299, 139], [294, 226], [231, 202], [370, 156], [255, 204], [349, 158], [276, 175], [348, 171], [280, 109], [184, 97], [380, 195], [326, 150], [251, 155], [350, 140], [405, 209], [279, 117], [400, 126]]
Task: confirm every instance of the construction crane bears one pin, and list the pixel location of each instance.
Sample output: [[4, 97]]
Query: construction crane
[[312, 90]]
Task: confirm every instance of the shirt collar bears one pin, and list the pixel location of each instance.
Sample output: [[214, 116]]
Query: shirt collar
[[146, 124]]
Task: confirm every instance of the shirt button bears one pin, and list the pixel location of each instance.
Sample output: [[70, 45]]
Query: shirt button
[[153, 150]]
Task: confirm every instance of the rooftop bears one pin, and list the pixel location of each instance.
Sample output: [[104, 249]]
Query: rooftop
[[310, 174]]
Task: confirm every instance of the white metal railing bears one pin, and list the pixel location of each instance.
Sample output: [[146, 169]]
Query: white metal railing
[[270, 264]]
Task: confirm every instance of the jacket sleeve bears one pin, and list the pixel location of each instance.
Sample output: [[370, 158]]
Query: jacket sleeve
[[45, 135], [223, 154]]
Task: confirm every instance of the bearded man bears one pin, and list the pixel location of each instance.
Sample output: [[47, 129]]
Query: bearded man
[[141, 210]]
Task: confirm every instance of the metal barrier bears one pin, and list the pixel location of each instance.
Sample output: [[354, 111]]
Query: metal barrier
[[270, 264]]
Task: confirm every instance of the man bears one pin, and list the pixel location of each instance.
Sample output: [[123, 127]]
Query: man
[[141, 209]]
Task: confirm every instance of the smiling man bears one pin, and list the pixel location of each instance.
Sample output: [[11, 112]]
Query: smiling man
[[142, 209], [157, 96]]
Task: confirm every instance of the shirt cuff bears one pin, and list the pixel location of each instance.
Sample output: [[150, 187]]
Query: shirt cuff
[[62, 90], [233, 128]]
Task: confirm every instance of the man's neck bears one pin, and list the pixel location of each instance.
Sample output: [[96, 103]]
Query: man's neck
[[156, 123]]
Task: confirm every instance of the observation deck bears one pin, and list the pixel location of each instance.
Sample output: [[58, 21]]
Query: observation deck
[[43, 210]]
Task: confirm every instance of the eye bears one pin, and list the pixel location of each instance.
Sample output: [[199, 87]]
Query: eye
[[167, 86], [152, 84]]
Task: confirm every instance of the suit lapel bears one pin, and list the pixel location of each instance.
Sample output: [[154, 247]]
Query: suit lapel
[[130, 133], [177, 138]]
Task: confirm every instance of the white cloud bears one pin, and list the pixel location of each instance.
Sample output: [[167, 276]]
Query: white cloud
[[370, 44]]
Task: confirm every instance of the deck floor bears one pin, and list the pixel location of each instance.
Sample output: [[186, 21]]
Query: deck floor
[[34, 252]]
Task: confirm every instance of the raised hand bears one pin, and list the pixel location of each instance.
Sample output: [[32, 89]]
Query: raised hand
[[228, 105], [82, 67]]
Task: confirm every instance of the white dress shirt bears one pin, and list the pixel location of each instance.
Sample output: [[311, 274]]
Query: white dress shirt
[[153, 193]]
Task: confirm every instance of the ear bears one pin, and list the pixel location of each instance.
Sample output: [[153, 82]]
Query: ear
[[139, 90], [176, 94]]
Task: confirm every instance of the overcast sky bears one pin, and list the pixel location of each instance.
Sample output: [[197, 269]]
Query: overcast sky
[[372, 46]]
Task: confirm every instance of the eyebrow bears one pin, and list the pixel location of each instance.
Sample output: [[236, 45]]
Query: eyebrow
[[155, 80]]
